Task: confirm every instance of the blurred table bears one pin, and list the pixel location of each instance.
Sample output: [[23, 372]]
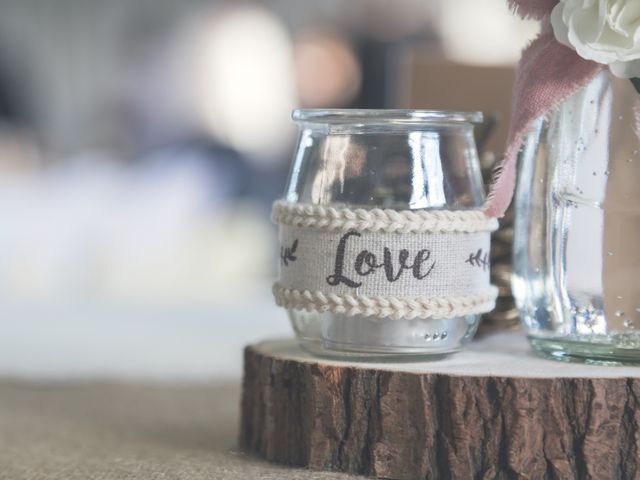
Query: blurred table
[[105, 391], [110, 430], [112, 391], [136, 341]]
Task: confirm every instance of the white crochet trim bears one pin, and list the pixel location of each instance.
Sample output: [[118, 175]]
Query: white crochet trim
[[378, 220], [385, 306]]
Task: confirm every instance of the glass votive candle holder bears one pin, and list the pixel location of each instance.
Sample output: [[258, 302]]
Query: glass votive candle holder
[[384, 249]]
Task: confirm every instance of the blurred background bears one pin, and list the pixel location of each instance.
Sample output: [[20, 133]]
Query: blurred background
[[143, 141]]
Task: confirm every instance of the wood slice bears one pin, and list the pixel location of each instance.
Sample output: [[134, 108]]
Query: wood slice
[[492, 411]]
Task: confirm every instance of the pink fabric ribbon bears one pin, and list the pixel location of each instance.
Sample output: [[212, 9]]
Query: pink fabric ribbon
[[548, 73]]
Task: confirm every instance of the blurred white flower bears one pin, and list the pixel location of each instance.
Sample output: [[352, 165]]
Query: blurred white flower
[[605, 31]]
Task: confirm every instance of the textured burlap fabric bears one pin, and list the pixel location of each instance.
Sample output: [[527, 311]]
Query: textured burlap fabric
[[110, 431], [441, 261]]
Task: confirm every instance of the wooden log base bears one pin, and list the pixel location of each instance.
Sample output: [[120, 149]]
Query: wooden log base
[[492, 411]]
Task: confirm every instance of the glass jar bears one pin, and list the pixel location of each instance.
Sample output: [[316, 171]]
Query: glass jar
[[577, 227], [388, 159]]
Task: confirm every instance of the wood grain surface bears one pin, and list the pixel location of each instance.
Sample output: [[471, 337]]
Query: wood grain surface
[[524, 417]]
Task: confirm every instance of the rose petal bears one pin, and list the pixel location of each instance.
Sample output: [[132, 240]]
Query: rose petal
[[560, 29], [624, 17], [629, 69]]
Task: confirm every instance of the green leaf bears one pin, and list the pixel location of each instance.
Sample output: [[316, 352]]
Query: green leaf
[[636, 83]]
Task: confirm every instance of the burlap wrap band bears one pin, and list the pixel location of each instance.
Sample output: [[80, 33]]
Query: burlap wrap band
[[384, 263]]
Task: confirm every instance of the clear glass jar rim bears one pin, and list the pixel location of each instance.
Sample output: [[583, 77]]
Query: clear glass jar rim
[[377, 116]]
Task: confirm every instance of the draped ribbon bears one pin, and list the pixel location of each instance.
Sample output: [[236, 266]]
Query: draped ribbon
[[548, 73]]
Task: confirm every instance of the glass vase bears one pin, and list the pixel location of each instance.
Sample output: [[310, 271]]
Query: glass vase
[[577, 227], [400, 160]]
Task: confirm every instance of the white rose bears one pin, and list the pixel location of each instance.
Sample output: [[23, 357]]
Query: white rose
[[605, 31]]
